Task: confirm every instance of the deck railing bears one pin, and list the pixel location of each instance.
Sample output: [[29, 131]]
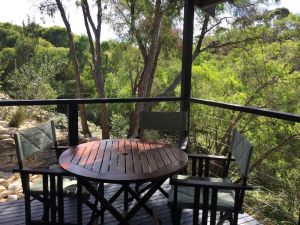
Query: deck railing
[[210, 134]]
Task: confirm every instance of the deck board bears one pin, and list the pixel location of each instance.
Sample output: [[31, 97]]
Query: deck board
[[14, 213]]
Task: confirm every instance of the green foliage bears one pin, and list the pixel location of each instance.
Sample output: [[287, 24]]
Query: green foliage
[[9, 34], [119, 126], [7, 63], [35, 75], [18, 118], [25, 49], [263, 72], [57, 36]]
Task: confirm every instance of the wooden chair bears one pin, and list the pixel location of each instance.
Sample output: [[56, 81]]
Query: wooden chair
[[54, 184], [175, 122], [212, 194]]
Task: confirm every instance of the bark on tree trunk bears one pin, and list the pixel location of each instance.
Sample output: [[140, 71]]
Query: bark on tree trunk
[[150, 63], [79, 88], [96, 59]]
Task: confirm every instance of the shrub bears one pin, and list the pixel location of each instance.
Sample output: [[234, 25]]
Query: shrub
[[18, 118]]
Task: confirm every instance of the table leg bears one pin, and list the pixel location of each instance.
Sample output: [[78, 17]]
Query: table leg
[[103, 201], [100, 212], [142, 200]]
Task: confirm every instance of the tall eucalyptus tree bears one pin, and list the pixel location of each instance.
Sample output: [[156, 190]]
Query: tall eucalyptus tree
[[92, 28], [50, 7]]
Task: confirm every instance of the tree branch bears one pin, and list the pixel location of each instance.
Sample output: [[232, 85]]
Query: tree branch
[[268, 152]]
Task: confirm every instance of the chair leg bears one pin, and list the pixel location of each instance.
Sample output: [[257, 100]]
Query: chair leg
[[79, 202], [225, 216], [176, 215], [60, 200], [235, 218], [25, 182], [28, 214]]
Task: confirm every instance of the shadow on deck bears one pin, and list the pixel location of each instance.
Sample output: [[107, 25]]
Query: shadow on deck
[[13, 212]]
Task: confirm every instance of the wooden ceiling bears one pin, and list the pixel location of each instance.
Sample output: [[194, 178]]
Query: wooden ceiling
[[209, 6]]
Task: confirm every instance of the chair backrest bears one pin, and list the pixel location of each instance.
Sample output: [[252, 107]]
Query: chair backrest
[[241, 149], [163, 121], [32, 140]]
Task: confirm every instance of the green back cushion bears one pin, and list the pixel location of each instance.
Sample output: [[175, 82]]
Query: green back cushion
[[163, 121], [241, 149], [35, 139]]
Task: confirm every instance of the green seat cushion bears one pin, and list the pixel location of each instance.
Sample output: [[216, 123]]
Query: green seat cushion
[[185, 197]]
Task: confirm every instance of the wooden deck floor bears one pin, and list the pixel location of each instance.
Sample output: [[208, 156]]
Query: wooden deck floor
[[13, 213]]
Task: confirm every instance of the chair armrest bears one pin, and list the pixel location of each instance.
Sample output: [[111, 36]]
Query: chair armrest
[[184, 142], [60, 149], [209, 157], [208, 182], [43, 171]]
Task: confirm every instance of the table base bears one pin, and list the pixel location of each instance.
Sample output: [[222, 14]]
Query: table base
[[129, 213]]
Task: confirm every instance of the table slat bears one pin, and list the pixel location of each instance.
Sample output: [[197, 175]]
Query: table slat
[[106, 157], [157, 156], [114, 158], [151, 159], [99, 157], [77, 156], [164, 156], [91, 159], [136, 158]]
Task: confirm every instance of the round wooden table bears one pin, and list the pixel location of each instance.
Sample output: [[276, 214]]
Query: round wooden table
[[123, 161]]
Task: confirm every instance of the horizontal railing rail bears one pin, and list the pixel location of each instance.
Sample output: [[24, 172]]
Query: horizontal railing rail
[[85, 101], [73, 108], [249, 109]]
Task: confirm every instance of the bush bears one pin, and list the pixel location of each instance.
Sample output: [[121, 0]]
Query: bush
[[18, 118]]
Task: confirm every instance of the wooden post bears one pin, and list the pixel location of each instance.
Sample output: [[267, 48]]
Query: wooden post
[[73, 124], [187, 52]]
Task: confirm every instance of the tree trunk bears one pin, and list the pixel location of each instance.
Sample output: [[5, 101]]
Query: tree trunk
[[150, 63], [96, 59], [79, 88]]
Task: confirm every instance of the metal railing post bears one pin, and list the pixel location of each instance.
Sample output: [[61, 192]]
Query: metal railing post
[[73, 124]]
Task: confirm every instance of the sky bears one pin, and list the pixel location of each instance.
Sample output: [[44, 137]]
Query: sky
[[17, 11]]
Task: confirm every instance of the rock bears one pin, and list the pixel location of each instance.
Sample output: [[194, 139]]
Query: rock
[[8, 141], [7, 151], [2, 200], [15, 186], [20, 195], [11, 198], [4, 160], [2, 188], [4, 136], [5, 175], [5, 193], [2, 180], [17, 175], [11, 179], [33, 177]]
